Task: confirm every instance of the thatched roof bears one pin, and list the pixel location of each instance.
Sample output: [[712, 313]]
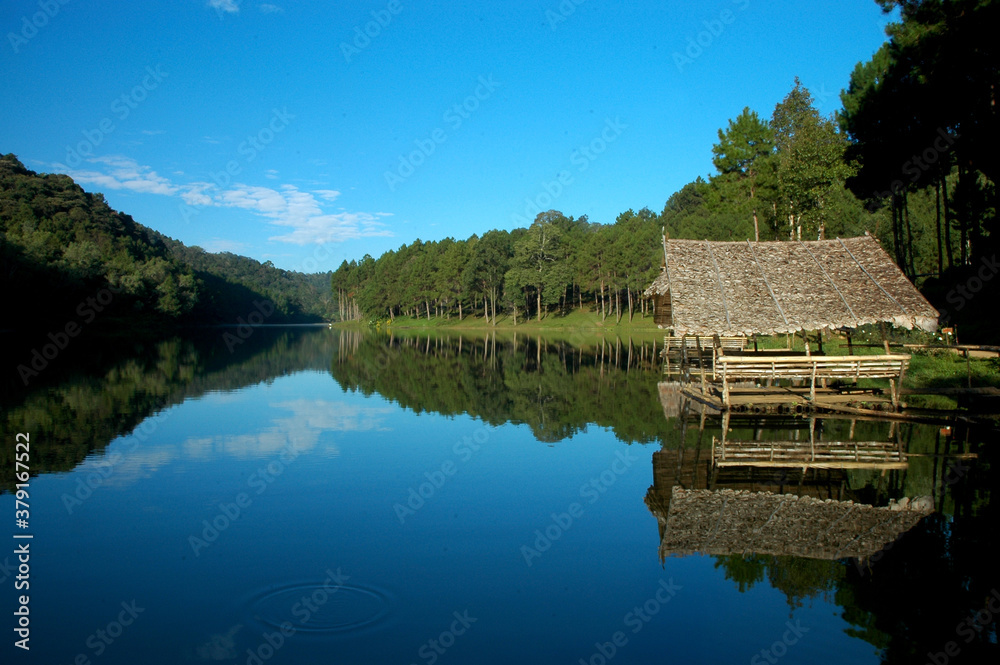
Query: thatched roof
[[745, 288], [725, 522]]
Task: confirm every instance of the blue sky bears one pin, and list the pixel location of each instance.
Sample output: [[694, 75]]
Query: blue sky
[[306, 133]]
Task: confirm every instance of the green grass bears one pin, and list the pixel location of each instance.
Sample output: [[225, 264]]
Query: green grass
[[576, 321]]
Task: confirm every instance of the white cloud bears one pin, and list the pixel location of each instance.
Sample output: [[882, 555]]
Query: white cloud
[[302, 212], [227, 6], [300, 431], [122, 173], [194, 194], [328, 194], [271, 9], [216, 245], [287, 206]]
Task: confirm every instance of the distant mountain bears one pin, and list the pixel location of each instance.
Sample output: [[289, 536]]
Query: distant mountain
[[66, 256]]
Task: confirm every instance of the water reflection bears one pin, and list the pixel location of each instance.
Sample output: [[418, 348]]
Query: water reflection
[[854, 511], [179, 428], [790, 487]]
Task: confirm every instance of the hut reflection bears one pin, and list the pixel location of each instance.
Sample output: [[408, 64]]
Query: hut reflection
[[782, 488]]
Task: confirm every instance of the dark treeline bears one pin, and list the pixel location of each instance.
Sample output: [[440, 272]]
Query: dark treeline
[[60, 245], [908, 158]]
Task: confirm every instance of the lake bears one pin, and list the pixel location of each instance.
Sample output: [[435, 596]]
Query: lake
[[320, 496]]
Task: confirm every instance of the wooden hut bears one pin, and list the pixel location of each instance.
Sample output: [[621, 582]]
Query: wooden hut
[[712, 295]]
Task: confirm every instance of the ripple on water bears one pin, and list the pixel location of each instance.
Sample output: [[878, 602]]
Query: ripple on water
[[317, 608]]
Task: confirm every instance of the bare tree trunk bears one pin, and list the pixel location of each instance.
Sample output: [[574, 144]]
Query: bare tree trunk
[[604, 309], [937, 213], [947, 221], [909, 233], [963, 223]]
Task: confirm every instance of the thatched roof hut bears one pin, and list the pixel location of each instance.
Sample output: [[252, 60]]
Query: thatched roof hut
[[724, 522], [746, 288]]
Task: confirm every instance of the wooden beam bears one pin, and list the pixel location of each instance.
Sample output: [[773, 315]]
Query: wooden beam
[[718, 276], [874, 281]]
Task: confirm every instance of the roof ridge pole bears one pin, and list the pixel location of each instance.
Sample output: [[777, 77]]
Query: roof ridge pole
[[718, 276], [666, 268], [874, 281], [830, 279], [664, 230], [767, 283]]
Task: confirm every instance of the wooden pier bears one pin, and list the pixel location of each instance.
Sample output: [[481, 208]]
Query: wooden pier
[[722, 375]]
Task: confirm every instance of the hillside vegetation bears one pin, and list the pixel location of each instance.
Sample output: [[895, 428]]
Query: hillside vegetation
[[66, 255]]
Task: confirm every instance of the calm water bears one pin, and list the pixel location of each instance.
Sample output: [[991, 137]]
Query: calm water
[[326, 497]]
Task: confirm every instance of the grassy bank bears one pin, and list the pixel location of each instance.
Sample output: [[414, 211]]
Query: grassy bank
[[576, 322]]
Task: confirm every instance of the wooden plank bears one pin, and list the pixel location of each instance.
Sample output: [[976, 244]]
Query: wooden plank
[[820, 359], [889, 466], [701, 363]]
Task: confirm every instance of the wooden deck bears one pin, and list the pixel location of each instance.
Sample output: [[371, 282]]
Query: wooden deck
[[721, 374], [814, 368], [775, 399], [811, 454]]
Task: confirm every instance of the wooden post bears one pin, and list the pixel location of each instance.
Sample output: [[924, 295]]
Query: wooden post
[[819, 338], [701, 362], [812, 439], [725, 387], [850, 345], [684, 374], [899, 389], [968, 369], [812, 383]]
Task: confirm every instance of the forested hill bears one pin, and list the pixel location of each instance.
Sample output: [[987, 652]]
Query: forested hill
[[61, 246]]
